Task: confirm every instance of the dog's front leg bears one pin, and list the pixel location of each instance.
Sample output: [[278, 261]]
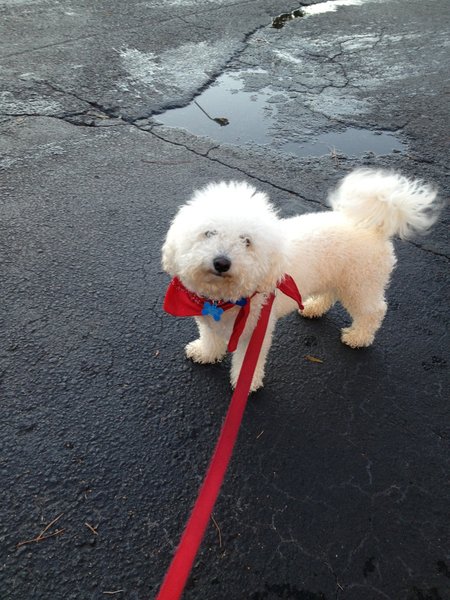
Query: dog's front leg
[[211, 346], [237, 360]]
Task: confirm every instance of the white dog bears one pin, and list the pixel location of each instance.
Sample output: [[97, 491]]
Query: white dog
[[228, 243]]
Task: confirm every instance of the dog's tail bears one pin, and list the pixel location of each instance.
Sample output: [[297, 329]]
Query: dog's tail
[[387, 202]]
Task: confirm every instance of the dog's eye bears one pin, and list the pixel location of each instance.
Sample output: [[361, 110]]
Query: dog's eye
[[246, 240], [209, 234]]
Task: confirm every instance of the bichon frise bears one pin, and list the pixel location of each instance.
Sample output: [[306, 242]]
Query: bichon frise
[[227, 244]]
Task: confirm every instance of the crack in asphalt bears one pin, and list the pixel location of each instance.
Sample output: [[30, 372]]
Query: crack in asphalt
[[223, 163], [108, 113], [44, 47], [191, 24], [315, 90], [94, 114], [364, 539], [121, 120], [429, 250], [98, 111], [212, 78], [145, 24], [66, 116], [265, 181]]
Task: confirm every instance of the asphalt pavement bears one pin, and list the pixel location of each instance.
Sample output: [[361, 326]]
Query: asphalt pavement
[[111, 114]]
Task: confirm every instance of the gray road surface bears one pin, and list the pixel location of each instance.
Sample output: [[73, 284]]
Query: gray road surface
[[338, 489]]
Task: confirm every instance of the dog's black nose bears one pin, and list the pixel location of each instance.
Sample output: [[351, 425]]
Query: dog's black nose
[[222, 264]]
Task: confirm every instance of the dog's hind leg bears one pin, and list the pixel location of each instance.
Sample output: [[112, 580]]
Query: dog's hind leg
[[209, 347], [316, 306], [367, 319]]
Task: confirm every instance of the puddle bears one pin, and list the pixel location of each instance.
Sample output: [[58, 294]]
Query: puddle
[[351, 142], [248, 115], [227, 113]]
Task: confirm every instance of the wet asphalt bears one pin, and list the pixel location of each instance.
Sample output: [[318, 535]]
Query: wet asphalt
[[338, 488]]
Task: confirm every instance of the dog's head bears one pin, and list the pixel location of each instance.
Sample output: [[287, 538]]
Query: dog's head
[[226, 243]]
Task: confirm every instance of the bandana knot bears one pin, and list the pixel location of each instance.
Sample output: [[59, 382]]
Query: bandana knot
[[180, 302]]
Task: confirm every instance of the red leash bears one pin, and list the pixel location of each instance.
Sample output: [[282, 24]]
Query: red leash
[[180, 567]]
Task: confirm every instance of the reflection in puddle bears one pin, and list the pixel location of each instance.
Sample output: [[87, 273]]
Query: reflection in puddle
[[249, 115], [351, 142], [227, 113]]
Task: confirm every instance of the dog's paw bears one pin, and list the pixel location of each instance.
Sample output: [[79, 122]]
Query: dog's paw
[[356, 338], [196, 351], [257, 382], [315, 307]]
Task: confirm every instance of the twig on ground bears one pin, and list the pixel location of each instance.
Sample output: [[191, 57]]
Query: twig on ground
[[42, 536], [91, 528], [218, 530], [334, 155], [222, 121], [313, 359]]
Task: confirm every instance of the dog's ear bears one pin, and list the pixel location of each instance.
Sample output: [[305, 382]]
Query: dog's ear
[[260, 200], [168, 254], [278, 266]]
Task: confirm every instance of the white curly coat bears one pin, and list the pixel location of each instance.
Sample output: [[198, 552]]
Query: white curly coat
[[344, 255]]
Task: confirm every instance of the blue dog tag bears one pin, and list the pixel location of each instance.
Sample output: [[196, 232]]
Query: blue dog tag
[[213, 310]]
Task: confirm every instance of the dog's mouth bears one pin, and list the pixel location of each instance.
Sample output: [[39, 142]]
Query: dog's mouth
[[220, 286], [219, 275]]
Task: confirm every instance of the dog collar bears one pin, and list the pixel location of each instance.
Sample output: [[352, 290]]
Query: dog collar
[[181, 302]]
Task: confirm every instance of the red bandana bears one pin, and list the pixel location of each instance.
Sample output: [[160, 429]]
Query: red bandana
[[180, 302]]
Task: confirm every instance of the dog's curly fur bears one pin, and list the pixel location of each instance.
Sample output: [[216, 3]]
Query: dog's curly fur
[[344, 255]]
